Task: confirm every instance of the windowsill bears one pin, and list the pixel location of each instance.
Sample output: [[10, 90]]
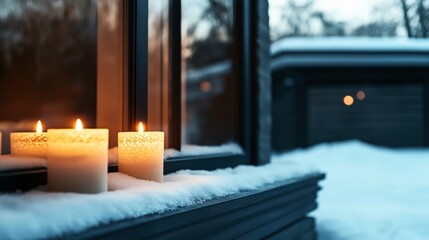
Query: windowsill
[[24, 173], [181, 195], [274, 209], [24, 179]]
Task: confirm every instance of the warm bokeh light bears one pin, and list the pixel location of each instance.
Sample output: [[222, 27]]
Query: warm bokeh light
[[39, 127], [141, 128], [348, 100], [361, 95], [79, 125], [205, 86]]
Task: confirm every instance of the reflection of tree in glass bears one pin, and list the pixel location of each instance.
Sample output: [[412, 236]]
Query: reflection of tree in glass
[[211, 119], [216, 44], [219, 14], [48, 56]]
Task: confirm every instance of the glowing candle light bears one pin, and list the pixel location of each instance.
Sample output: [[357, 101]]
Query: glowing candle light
[[141, 154], [33, 144], [39, 127], [77, 159], [141, 128], [79, 125]]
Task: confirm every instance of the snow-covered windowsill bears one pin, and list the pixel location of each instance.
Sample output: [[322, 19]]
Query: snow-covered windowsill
[[41, 214]]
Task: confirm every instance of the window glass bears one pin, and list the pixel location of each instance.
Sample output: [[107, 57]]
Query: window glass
[[158, 68], [48, 64], [358, 18], [209, 86]]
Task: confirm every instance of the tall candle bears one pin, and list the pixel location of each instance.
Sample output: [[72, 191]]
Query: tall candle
[[141, 154], [29, 143], [77, 159]]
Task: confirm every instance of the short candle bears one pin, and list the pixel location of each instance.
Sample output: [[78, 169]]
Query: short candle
[[141, 154], [33, 144], [77, 159]]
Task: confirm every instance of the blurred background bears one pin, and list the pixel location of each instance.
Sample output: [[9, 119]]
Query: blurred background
[[350, 96], [361, 18], [350, 70]]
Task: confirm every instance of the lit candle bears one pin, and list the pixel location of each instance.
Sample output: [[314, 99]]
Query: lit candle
[[141, 154], [77, 159], [33, 144]]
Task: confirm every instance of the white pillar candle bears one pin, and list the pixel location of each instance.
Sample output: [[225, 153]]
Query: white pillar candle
[[33, 144], [141, 154], [77, 159]]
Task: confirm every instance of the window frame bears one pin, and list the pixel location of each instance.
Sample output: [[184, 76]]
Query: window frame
[[244, 12], [211, 161], [137, 33]]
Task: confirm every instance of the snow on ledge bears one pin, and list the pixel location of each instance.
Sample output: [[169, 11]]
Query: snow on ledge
[[41, 214], [196, 150]]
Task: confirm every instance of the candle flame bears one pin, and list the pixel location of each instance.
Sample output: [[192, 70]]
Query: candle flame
[[141, 128], [39, 127], [79, 126]]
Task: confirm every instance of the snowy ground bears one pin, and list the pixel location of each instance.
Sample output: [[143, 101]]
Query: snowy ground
[[370, 192]]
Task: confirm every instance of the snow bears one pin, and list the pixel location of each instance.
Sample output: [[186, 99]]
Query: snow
[[112, 156], [41, 214], [197, 150], [358, 44], [195, 75], [370, 192]]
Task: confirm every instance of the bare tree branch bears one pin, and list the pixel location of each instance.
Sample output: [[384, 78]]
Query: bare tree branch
[[406, 18]]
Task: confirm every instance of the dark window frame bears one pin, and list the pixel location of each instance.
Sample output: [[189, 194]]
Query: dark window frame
[[210, 161], [137, 62], [244, 60]]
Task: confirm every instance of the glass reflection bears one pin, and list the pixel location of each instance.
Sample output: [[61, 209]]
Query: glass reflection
[[158, 67], [48, 63], [210, 101]]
